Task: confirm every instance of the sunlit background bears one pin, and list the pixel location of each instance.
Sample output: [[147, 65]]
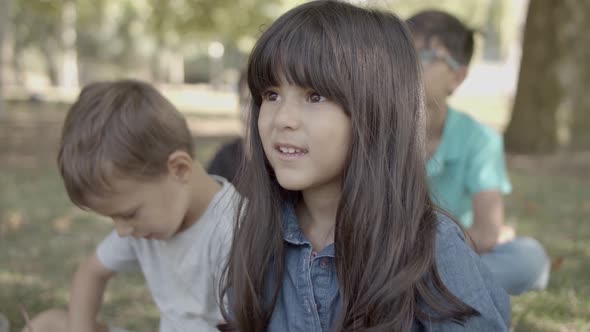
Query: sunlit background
[[194, 50]]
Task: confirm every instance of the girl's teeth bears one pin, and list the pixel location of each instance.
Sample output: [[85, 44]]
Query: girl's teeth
[[290, 150]]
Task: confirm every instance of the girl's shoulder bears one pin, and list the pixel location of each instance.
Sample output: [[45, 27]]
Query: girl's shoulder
[[452, 248], [448, 230], [465, 275]]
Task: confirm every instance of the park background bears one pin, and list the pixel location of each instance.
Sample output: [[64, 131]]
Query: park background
[[529, 80]]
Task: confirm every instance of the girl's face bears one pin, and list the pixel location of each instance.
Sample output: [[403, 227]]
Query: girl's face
[[305, 136]]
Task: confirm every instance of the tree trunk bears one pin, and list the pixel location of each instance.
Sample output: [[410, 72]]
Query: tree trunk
[[552, 106], [176, 68], [17, 66], [2, 32], [216, 51], [6, 48], [159, 61], [69, 69], [576, 41], [533, 127], [50, 52]]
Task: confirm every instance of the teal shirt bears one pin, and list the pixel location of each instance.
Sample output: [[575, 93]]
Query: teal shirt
[[469, 159]]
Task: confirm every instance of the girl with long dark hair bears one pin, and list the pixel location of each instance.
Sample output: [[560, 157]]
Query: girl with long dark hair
[[338, 232]]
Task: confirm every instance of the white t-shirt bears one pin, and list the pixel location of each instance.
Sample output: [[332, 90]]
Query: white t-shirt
[[182, 273]]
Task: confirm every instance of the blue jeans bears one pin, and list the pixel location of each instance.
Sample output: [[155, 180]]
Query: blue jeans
[[519, 266]]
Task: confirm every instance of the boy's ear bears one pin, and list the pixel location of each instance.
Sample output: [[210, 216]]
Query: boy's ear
[[180, 165], [458, 77]]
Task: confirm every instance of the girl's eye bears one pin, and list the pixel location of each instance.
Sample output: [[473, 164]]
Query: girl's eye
[[270, 96], [315, 97]]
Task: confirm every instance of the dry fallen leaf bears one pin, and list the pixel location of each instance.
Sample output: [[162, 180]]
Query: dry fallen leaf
[[556, 263]]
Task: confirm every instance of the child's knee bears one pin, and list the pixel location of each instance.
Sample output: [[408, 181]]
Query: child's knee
[[534, 264], [53, 320], [535, 254]]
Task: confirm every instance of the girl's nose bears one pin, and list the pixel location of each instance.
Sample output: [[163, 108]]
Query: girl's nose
[[287, 116]]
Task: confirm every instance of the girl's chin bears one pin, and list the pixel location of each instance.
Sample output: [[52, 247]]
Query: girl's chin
[[291, 184]]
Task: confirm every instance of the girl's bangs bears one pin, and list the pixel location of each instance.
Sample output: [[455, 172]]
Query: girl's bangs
[[301, 55]]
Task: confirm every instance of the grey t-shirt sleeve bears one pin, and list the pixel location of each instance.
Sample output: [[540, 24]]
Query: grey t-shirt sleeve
[[221, 237], [464, 275], [117, 254]]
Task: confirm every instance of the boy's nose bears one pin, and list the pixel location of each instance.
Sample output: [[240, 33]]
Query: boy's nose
[[122, 229]]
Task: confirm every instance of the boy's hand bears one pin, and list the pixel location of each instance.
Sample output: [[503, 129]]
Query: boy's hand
[[507, 234]]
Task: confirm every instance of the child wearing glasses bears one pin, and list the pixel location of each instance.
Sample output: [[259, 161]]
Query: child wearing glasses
[[466, 167]]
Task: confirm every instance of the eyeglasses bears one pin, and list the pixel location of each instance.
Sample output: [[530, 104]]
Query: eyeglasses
[[428, 56]]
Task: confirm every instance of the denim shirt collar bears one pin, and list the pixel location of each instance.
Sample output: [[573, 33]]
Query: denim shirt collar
[[293, 234]]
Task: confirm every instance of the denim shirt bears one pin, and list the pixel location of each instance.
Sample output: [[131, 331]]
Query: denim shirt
[[309, 298]]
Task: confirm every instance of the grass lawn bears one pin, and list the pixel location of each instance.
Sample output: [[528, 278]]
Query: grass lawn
[[43, 236], [554, 209]]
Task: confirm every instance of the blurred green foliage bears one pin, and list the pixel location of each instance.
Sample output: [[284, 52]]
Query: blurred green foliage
[[143, 36]]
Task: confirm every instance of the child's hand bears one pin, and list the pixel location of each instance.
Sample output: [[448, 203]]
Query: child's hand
[[507, 234]]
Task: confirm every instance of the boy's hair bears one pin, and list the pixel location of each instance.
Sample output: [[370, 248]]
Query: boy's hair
[[447, 29], [120, 128]]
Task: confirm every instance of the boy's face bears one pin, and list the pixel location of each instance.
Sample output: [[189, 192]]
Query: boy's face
[[145, 209], [441, 73]]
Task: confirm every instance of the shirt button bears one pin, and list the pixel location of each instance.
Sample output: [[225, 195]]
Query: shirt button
[[324, 263], [318, 305]]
